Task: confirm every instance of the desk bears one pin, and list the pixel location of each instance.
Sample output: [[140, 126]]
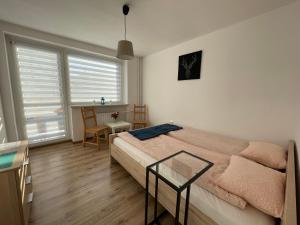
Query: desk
[[103, 116], [118, 125]]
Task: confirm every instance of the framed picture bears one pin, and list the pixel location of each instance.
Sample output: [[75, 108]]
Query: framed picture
[[189, 66]]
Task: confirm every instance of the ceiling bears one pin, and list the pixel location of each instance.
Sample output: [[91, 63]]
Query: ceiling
[[152, 25]]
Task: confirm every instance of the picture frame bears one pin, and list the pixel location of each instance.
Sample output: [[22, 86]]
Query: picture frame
[[189, 66]]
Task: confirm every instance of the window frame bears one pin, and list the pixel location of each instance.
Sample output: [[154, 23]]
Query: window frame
[[3, 135]]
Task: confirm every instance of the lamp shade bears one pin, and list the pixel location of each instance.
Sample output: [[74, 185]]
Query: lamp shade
[[125, 50]]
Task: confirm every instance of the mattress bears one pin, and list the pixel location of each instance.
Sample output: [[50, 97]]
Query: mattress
[[218, 210]]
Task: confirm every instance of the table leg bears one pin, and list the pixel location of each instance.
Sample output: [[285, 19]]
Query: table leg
[[177, 208], [156, 194], [187, 202], [146, 196]]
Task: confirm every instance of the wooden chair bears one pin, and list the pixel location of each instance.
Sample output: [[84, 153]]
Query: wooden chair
[[91, 127], [139, 116]]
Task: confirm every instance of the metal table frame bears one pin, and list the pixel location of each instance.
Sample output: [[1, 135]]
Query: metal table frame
[[178, 190]]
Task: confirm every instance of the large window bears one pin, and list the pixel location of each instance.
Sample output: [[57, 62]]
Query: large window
[[41, 98], [45, 82], [93, 78]]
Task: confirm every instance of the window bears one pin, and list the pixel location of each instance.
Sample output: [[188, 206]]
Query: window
[[43, 89], [93, 78], [40, 87]]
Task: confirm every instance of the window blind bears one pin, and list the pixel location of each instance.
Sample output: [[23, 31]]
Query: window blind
[[41, 93], [93, 78]]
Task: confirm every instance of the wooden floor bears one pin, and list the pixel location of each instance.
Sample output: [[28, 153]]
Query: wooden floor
[[77, 186]]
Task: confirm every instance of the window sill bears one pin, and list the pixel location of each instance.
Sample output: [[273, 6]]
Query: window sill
[[98, 105]]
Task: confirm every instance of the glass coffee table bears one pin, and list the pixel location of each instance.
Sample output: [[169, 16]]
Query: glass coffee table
[[178, 171]]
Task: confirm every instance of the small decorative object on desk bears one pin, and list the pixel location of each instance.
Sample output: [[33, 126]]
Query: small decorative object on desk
[[102, 101], [115, 115]]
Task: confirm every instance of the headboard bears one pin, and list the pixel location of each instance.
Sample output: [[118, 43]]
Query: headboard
[[290, 205]]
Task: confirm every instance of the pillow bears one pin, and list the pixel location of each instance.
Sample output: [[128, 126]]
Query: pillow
[[268, 154], [260, 186], [210, 141]]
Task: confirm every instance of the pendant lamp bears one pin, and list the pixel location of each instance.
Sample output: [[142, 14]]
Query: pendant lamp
[[125, 49]]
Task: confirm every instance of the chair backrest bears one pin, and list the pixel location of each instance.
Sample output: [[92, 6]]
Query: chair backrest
[[139, 112], [89, 114]]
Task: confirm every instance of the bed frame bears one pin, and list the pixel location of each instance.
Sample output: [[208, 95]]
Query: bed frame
[[167, 196]]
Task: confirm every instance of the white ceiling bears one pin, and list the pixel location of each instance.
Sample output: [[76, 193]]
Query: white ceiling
[[153, 25]]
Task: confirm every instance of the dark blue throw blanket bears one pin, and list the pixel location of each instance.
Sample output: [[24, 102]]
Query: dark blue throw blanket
[[151, 132]]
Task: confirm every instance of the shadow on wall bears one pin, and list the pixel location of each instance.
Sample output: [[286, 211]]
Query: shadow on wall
[[297, 182]]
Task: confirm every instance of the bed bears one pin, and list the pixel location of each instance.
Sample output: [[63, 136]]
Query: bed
[[205, 208]]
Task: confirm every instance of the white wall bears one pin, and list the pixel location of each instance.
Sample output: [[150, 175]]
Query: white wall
[[249, 84], [134, 86], [132, 71]]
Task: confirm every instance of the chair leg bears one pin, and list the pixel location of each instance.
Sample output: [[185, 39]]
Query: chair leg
[[98, 141], [106, 136], [84, 139]]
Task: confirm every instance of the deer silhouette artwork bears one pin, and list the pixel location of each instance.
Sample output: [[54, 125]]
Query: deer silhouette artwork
[[188, 66]]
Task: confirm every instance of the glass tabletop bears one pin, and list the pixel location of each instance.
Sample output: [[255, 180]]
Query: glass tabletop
[[181, 169]]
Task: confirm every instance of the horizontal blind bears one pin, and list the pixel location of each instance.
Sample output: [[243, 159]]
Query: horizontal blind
[[93, 78], [41, 90]]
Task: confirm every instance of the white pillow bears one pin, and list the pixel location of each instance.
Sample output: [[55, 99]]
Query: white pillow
[[270, 155]]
